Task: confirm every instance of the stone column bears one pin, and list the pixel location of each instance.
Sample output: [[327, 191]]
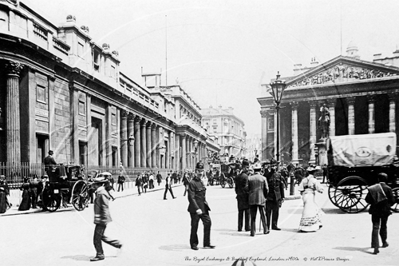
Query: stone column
[[148, 146], [351, 115], [167, 151], [312, 139], [263, 114], [13, 115], [177, 153], [294, 115], [392, 108], [131, 155], [124, 138], [158, 141], [137, 143], [143, 143], [183, 151], [153, 145], [371, 100], [331, 109]]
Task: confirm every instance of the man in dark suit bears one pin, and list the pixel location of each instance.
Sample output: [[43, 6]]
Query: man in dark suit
[[49, 164], [241, 189], [275, 197], [199, 209], [258, 189], [380, 198]]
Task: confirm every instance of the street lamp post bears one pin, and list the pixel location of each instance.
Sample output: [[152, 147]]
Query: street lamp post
[[276, 89]]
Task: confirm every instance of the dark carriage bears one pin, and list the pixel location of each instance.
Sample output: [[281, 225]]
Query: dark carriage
[[59, 188], [354, 161]]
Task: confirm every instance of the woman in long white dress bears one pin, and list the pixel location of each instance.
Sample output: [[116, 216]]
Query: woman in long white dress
[[311, 214]]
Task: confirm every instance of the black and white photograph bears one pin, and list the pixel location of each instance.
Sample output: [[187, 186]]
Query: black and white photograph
[[199, 132]]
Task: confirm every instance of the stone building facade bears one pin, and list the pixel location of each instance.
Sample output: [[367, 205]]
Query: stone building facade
[[227, 127], [62, 91], [361, 97]]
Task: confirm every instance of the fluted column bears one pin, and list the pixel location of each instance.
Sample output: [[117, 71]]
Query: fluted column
[[130, 126], [392, 108], [184, 151], [137, 143], [294, 122], [158, 140], [351, 115], [312, 138], [331, 109], [167, 152], [153, 146], [124, 138], [371, 125], [13, 114], [143, 144], [148, 146]]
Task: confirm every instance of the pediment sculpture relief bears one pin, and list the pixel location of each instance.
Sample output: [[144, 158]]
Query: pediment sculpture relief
[[342, 72]]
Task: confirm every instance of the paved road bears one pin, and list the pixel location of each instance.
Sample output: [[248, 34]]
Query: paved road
[[156, 232]]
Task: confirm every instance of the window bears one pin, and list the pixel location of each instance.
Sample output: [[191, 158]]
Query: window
[[113, 119], [96, 61], [270, 123], [82, 108], [113, 71], [80, 49], [41, 94]]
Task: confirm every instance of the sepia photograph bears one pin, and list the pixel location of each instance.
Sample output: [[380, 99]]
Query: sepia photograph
[[199, 132]]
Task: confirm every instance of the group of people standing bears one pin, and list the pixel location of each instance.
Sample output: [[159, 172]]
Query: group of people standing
[[263, 189]]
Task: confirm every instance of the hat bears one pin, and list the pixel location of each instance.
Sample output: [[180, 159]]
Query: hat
[[311, 169], [257, 166], [245, 163], [100, 179], [199, 166], [50, 151]]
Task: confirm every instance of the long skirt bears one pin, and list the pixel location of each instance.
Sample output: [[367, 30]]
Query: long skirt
[[311, 214], [3, 201], [25, 203]]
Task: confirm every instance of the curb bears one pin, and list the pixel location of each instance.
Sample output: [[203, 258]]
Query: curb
[[14, 210]]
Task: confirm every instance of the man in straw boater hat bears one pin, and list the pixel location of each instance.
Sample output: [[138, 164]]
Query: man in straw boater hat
[[199, 209], [258, 190], [102, 217]]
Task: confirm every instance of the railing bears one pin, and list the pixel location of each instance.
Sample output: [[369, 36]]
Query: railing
[[16, 172]]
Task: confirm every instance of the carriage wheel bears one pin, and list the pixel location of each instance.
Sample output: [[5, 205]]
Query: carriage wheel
[[350, 194], [51, 203], [231, 184], [222, 180], [331, 195], [80, 195], [395, 193]]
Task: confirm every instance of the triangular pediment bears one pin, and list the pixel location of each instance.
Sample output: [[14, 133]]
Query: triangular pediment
[[342, 70]]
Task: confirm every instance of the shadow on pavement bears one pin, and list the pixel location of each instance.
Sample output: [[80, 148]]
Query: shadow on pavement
[[364, 250], [232, 232], [78, 257], [175, 247]]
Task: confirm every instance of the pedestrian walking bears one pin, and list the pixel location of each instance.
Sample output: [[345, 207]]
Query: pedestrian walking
[[275, 197], [159, 179], [151, 180], [199, 209], [168, 187], [4, 193], [102, 217], [186, 181], [34, 185], [241, 190], [311, 214], [121, 181], [139, 182], [258, 189], [380, 198]]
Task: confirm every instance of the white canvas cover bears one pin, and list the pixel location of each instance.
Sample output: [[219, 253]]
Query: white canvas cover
[[363, 150]]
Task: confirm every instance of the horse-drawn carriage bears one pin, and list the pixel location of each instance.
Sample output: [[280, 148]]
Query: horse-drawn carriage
[[354, 161], [59, 188], [223, 174]]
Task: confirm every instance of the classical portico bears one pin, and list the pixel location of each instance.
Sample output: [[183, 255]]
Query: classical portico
[[360, 96]]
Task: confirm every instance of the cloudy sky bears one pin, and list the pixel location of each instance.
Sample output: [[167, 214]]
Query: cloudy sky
[[221, 52]]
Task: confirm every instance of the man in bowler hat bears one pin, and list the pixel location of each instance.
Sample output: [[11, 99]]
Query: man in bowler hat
[[199, 209], [241, 189], [258, 190]]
